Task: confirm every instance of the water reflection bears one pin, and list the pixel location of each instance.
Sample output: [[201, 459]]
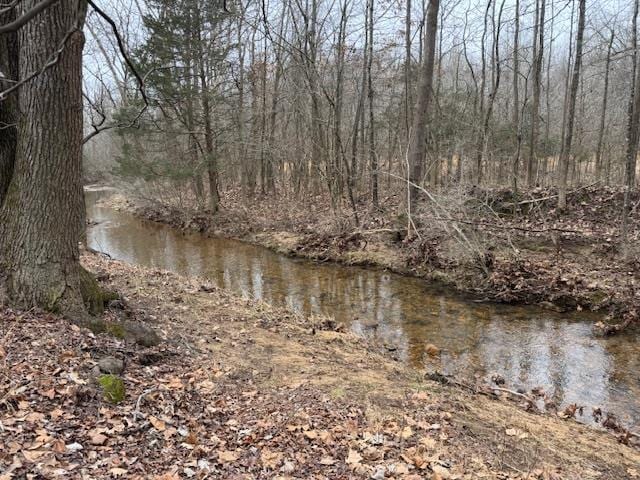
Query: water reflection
[[528, 347]]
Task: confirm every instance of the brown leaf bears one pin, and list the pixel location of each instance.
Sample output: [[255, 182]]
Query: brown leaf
[[227, 456], [270, 459], [97, 438], [354, 457], [58, 446], [158, 424], [192, 438], [311, 434], [32, 455]]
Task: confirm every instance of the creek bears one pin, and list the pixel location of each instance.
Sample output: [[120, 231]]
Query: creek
[[527, 346]]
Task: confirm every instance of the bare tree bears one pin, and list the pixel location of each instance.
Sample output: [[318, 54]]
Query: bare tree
[[565, 153], [419, 137]]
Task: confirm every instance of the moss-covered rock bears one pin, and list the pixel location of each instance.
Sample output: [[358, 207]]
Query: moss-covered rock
[[112, 388], [116, 329]]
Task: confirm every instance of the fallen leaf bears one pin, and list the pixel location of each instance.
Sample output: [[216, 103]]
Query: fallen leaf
[[97, 438], [354, 457], [32, 455], [158, 424], [58, 446], [327, 461], [270, 459], [407, 432], [311, 434], [227, 456], [74, 447]]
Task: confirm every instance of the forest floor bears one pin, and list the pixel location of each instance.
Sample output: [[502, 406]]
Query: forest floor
[[238, 389], [487, 243]]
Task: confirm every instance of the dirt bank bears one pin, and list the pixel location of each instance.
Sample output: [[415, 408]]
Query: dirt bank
[[571, 261], [240, 389]]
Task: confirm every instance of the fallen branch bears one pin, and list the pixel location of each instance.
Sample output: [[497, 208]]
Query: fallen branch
[[549, 197], [511, 392]]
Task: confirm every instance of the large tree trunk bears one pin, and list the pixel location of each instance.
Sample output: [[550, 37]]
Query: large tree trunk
[[9, 106], [41, 215], [573, 93], [418, 145]]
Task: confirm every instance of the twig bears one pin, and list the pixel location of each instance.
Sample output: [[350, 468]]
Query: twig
[[137, 411], [506, 390]]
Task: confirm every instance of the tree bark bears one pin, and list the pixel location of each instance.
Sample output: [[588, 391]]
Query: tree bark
[[573, 93], [407, 70], [8, 107], [603, 110], [373, 159], [418, 144], [538, 56], [42, 212], [516, 100], [633, 131]]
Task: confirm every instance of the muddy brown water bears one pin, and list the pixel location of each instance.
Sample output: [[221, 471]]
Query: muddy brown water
[[528, 347]]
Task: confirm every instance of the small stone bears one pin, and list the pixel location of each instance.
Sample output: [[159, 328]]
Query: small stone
[[378, 474], [73, 447], [111, 365], [117, 304]]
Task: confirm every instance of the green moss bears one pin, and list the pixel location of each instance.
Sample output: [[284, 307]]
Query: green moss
[[92, 294], [598, 296], [53, 302], [116, 330], [112, 387]]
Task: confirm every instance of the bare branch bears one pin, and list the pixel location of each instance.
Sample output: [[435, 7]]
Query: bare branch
[[26, 17], [122, 50]]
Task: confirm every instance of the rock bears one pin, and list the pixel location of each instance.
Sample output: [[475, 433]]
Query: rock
[[378, 474], [117, 304], [432, 350], [141, 334], [111, 365]]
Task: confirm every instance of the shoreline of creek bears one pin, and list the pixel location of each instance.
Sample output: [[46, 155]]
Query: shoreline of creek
[[431, 331], [609, 303], [241, 389]]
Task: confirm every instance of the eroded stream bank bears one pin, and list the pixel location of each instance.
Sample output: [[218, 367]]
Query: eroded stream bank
[[528, 347]]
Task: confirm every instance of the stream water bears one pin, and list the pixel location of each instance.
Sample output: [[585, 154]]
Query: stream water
[[528, 347]]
